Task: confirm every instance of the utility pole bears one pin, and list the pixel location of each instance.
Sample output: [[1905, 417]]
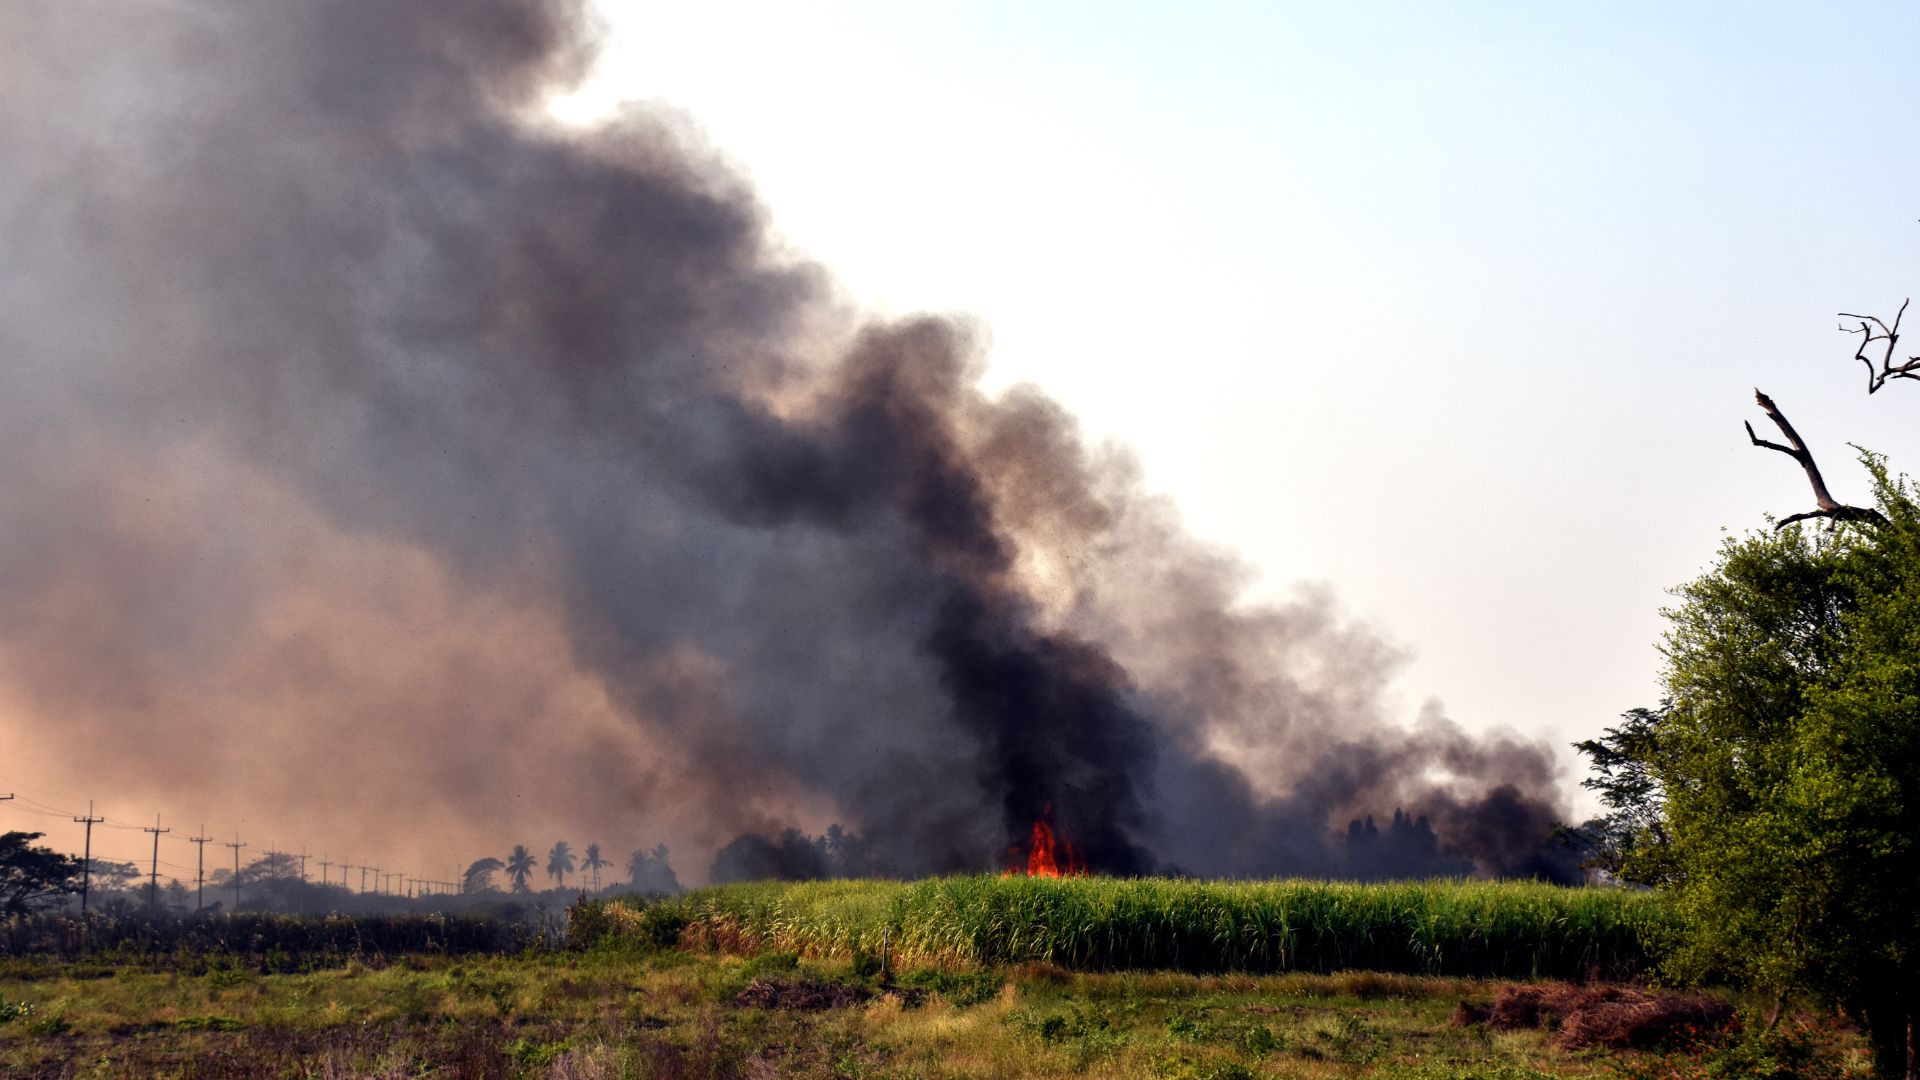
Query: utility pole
[[363, 878], [86, 860], [302, 856], [325, 863], [153, 882], [236, 846], [200, 871]]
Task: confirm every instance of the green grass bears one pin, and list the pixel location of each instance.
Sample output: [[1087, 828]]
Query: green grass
[[283, 942], [670, 1015], [1475, 929]]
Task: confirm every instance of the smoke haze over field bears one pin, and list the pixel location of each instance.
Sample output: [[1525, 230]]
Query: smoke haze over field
[[385, 463]]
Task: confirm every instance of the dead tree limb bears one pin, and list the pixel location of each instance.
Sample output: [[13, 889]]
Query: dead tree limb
[[1873, 330], [1830, 508]]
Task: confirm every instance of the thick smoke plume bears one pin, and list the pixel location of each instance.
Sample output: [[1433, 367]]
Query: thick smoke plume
[[389, 464]]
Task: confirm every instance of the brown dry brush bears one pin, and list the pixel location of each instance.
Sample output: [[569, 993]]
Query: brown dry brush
[[800, 994], [1615, 1017]]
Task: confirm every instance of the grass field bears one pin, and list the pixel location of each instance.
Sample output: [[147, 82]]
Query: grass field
[[673, 1015], [978, 980], [1480, 929]]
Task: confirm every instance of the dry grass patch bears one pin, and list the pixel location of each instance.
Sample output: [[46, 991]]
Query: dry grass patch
[[1614, 1017]]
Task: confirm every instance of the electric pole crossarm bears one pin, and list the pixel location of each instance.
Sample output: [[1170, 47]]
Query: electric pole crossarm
[[200, 868], [86, 858], [236, 845], [153, 886]]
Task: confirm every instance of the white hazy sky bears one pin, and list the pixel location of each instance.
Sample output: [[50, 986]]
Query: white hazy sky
[[1453, 308]]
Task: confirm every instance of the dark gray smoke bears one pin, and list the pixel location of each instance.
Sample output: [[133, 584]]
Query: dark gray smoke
[[383, 461]]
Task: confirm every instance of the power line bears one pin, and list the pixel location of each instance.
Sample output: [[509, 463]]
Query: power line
[[44, 806], [27, 808], [395, 883]]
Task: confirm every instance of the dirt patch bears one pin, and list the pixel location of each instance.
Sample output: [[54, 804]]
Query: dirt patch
[[799, 994], [1618, 1017]]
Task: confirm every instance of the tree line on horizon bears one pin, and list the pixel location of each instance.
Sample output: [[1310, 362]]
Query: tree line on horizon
[[37, 878], [648, 870]]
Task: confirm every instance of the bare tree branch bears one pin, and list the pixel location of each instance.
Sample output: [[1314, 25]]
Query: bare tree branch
[[1874, 330], [1830, 508]]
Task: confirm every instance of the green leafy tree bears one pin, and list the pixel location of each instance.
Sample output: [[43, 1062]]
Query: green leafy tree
[[479, 874], [520, 865], [651, 872], [34, 877], [560, 862], [1787, 763], [1629, 841]]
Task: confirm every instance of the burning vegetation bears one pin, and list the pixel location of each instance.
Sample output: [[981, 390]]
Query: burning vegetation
[[533, 465], [1044, 855]]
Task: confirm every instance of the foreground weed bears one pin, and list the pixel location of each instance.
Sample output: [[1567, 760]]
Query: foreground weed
[[1501, 1070], [1790, 1052], [537, 1054], [1187, 1067], [1349, 1040], [963, 988], [1089, 1033], [208, 1023]]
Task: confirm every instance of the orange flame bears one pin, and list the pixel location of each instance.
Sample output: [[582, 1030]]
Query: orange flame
[[1048, 856]]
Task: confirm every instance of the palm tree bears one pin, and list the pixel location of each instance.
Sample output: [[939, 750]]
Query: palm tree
[[519, 865], [560, 861], [593, 862]]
